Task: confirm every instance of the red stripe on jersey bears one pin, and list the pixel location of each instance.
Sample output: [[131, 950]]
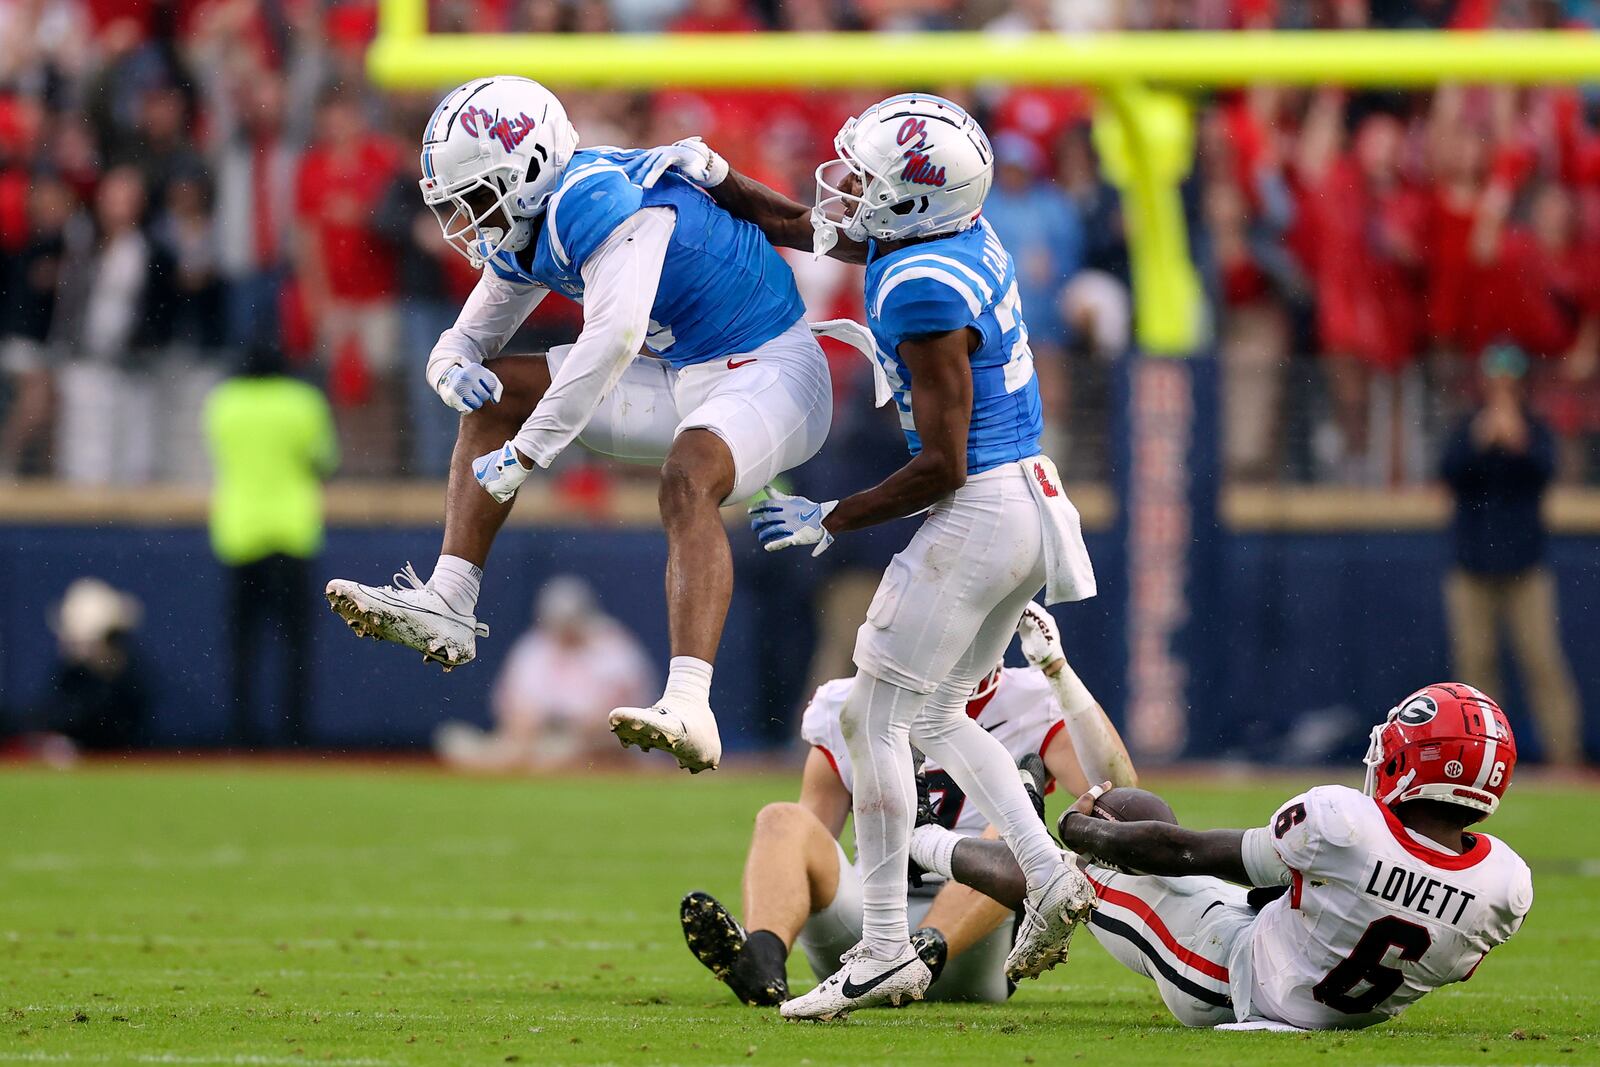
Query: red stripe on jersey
[[1050, 735], [1159, 928], [831, 761], [1296, 887], [1448, 861]]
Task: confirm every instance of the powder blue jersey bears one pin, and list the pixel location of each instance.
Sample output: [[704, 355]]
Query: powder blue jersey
[[966, 279], [723, 288]]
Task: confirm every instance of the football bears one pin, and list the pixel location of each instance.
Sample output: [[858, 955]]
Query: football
[[1131, 804]]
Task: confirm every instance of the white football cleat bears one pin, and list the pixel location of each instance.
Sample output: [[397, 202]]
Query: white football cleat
[[690, 736], [862, 982], [410, 614], [1049, 916]]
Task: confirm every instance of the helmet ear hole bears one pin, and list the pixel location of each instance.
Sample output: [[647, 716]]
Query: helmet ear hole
[[904, 207], [532, 175]]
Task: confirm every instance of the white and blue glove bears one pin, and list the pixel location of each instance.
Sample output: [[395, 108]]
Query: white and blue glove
[[468, 386], [500, 473], [783, 521], [691, 157]]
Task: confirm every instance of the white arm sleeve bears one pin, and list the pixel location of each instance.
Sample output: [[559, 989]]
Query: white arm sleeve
[[1261, 860], [619, 287], [492, 313]]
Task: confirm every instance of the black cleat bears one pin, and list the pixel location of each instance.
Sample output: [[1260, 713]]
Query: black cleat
[[717, 940], [932, 947], [1035, 780]]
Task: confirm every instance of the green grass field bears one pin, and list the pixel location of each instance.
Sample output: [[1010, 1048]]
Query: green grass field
[[211, 913]]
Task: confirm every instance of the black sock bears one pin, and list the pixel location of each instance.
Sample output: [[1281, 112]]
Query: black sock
[[760, 974], [766, 952]]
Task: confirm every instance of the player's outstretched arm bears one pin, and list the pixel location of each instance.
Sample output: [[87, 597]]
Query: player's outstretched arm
[[1162, 848], [1099, 752], [941, 405], [785, 223], [941, 394]]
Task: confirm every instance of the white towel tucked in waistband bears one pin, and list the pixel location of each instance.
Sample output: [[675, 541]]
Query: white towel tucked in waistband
[[1068, 574]]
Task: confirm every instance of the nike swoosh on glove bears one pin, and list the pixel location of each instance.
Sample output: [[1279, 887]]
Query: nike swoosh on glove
[[783, 521], [500, 473]]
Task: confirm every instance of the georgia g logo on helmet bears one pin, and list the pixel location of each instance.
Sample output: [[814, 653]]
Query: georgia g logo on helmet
[[1419, 709]]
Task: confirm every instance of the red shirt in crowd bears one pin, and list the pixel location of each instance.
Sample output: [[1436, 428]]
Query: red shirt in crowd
[[1358, 245], [337, 191]]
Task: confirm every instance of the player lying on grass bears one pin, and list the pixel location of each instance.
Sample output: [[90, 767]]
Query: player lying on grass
[[1389, 895], [946, 332], [733, 391], [799, 888]]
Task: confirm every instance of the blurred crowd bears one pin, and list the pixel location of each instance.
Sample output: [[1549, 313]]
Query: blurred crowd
[[180, 179]]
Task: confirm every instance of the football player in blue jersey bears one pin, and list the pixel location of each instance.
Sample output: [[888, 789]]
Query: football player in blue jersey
[[732, 390], [946, 330]]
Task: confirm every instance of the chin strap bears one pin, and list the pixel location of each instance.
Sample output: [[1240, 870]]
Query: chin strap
[[1399, 787], [521, 234], [824, 234]]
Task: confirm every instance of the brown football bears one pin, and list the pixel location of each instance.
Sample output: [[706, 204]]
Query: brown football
[[1131, 804]]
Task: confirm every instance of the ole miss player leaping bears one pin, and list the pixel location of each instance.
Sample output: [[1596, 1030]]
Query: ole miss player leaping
[[946, 331], [1389, 894], [730, 390]]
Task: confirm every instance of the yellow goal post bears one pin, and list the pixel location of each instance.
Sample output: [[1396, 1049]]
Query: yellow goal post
[[1143, 125]]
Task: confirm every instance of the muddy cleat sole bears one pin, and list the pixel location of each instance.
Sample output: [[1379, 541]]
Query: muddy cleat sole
[[716, 939], [415, 617], [1048, 921], [657, 728]]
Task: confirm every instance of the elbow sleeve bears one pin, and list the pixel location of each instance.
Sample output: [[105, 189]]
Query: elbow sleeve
[[1261, 860]]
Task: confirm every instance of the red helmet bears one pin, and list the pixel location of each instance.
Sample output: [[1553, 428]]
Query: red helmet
[[1446, 742]]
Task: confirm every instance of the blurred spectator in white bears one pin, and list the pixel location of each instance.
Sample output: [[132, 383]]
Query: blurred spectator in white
[[1039, 226], [559, 682], [347, 276], [98, 697], [108, 401], [41, 40], [258, 120], [1498, 465], [272, 444], [1098, 309]]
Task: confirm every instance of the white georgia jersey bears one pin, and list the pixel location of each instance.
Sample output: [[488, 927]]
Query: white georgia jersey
[[1021, 712], [1376, 916]]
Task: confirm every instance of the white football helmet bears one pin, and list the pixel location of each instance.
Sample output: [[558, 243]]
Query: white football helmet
[[491, 156], [923, 166]]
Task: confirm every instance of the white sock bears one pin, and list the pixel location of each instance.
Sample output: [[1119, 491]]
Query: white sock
[[457, 581], [688, 683], [878, 715], [933, 848]]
